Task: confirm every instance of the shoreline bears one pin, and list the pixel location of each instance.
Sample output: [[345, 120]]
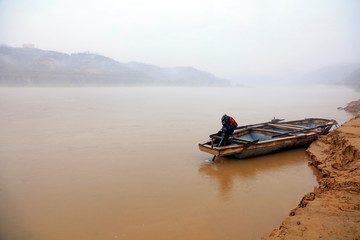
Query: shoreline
[[332, 210]]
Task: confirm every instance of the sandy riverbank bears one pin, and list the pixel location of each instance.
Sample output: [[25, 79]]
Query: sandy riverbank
[[332, 210]]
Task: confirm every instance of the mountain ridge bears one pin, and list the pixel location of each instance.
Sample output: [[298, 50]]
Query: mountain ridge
[[36, 67]]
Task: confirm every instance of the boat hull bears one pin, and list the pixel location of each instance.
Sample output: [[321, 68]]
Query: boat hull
[[260, 148], [273, 148]]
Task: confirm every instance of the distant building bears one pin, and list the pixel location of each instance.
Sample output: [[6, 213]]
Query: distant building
[[28, 45]]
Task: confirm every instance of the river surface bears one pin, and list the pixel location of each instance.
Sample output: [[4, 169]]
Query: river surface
[[123, 163]]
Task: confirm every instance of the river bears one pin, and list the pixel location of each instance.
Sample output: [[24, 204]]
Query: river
[[123, 163]]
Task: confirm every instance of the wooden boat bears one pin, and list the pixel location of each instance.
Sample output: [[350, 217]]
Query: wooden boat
[[263, 138]]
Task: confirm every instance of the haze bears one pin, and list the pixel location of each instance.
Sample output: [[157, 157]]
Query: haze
[[230, 39]]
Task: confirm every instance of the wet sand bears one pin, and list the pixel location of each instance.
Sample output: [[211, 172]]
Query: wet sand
[[332, 210]]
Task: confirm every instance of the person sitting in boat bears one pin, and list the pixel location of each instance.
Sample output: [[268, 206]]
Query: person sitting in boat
[[228, 126]]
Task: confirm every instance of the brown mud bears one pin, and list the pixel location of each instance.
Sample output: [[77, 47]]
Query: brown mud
[[332, 210]]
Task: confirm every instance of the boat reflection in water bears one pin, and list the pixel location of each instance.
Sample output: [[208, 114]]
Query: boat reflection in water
[[265, 172]]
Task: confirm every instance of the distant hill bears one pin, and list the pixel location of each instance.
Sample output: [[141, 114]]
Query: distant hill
[[341, 74], [35, 67], [331, 75], [353, 79]]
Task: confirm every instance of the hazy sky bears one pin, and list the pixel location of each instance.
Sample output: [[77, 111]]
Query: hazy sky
[[229, 38]]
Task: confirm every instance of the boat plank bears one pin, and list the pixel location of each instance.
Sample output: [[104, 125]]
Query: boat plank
[[267, 130], [242, 141], [235, 139], [285, 126]]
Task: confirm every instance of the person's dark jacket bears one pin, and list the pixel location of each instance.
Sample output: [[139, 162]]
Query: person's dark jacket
[[228, 125]]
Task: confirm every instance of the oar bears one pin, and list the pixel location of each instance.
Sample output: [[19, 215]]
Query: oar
[[219, 145], [297, 131]]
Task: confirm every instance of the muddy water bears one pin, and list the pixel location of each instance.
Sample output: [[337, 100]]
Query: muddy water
[[123, 163]]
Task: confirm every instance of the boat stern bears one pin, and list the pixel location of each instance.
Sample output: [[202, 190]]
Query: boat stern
[[206, 147]]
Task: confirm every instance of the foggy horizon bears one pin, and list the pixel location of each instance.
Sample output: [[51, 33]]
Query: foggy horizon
[[230, 39]]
